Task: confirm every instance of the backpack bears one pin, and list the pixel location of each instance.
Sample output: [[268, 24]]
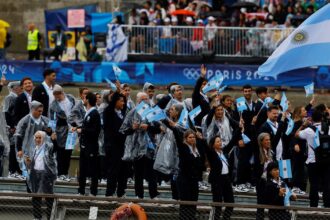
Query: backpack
[[322, 153]]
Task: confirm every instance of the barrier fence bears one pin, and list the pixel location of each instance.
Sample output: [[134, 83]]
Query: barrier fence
[[198, 40], [19, 206]]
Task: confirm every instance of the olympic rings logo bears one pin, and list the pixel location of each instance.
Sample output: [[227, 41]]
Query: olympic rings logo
[[191, 73]]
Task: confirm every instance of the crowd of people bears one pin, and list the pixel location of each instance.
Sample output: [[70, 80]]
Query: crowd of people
[[239, 150]]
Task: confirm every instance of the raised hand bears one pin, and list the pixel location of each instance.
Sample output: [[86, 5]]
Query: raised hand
[[203, 71]]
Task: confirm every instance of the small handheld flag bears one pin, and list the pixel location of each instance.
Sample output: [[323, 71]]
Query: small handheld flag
[[290, 126], [141, 108], [113, 87], [284, 102], [309, 89], [316, 140], [222, 89], [183, 120], [246, 139], [156, 114], [214, 83], [194, 113], [287, 196], [117, 71], [285, 169], [240, 103]]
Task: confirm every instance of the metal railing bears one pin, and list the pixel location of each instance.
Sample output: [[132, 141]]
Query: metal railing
[[68, 207], [199, 40]]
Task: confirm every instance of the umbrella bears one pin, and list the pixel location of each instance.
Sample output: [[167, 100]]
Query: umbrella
[[244, 5], [183, 12], [202, 3], [4, 23], [216, 14]]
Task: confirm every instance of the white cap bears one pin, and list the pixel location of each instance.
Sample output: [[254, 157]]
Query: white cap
[[211, 18], [174, 19], [189, 19], [166, 20], [200, 21]]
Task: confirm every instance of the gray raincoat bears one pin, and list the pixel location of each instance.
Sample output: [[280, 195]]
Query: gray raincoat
[[77, 115]]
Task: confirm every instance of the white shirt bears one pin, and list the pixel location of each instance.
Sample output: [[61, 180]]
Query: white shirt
[[39, 163], [225, 168], [195, 153], [167, 31], [36, 120], [28, 97], [89, 111], [66, 106], [49, 91], [308, 134], [279, 147]]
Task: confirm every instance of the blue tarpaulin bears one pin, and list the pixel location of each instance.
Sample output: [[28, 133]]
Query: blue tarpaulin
[[99, 21]]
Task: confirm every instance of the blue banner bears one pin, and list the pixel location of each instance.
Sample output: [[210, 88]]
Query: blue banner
[[101, 20], [162, 73]]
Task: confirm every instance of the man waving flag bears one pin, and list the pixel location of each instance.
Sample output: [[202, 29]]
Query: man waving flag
[[307, 46]]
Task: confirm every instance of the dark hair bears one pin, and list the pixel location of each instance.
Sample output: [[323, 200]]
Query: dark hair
[[247, 86], [261, 89], [317, 116], [91, 98], [270, 167], [48, 72], [320, 107], [212, 141], [82, 89], [25, 79], [272, 107], [223, 99], [170, 85]]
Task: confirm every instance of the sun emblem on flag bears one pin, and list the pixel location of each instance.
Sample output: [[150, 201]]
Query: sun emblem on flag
[[300, 37]]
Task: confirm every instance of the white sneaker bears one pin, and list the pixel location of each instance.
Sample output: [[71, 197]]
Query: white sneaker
[[61, 178], [145, 183], [130, 181], [103, 181], [164, 184], [12, 176], [241, 188], [298, 191], [20, 177]]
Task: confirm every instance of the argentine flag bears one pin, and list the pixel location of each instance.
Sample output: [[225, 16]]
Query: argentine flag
[[240, 103], [290, 126], [306, 46], [113, 87], [309, 89], [214, 83], [194, 113], [142, 108], [284, 102], [156, 114], [316, 140], [245, 138], [183, 120], [285, 169]]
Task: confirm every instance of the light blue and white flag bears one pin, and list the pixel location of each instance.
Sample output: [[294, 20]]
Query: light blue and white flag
[[290, 126], [284, 102], [52, 123], [309, 89], [156, 114], [222, 89], [287, 196], [194, 113], [285, 169], [266, 102], [113, 86], [117, 71], [141, 109], [116, 44], [71, 140], [183, 120], [214, 83], [240, 103], [246, 139], [306, 46], [316, 140]]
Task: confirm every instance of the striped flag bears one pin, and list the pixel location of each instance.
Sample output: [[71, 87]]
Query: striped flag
[[284, 102], [240, 103], [316, 140], [290, 126], [113, 87], [309, 89], [141, 108], [156, 114], [214, 83], [246, 139], [287, 196], [194, 113], [285, 169], [183, 120]]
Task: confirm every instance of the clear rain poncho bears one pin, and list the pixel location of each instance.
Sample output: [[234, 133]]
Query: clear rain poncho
[[43, 182], [167, 160], [25, 131], [57, 113], [139, 143], [77, 115]]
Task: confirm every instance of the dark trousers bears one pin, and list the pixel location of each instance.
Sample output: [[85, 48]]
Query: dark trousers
[[34, 54], [319, 175], [143, 169], [260, 188], [87, 168], [244, 167], [275, 214], [102, 167], [57, 52], [222, 191], [63, 161], [13, 164], [36, 203], [188, 191], [299, 178], [117, 175]]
